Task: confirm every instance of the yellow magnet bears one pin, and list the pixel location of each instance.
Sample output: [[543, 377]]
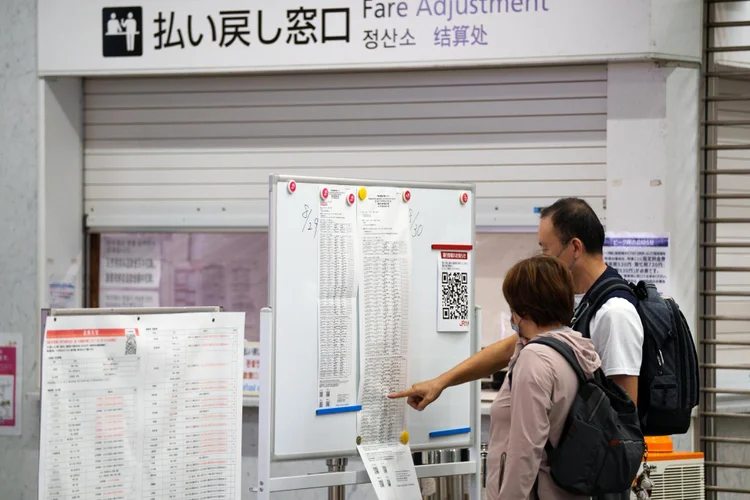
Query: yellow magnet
[[362, 193], [405, 437]]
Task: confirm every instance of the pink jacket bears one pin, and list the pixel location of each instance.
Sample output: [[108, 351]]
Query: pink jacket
[[522, 419]]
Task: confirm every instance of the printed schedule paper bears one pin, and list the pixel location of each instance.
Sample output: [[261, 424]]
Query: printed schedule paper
[[383, 225], [383, 219], [145, 407], [337, 301]]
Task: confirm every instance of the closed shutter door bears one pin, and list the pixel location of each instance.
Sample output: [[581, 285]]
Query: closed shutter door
[[197, 152], [725, 305]]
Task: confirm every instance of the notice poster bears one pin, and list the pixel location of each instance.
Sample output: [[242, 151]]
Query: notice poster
[[130, 261], [62, 295], [142, 407], [383, 228], [640, 257], [251, 372], [11, 350], [453, 291], [337, 292]]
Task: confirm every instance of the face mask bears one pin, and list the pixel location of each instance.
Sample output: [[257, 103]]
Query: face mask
[[514, 326], [570, 268]]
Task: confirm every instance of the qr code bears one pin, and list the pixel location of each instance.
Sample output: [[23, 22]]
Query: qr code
[[131, 345], [455, 295]]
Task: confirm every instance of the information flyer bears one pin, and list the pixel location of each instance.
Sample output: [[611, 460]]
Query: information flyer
[[640, 257], [251, 372], [11, 353]]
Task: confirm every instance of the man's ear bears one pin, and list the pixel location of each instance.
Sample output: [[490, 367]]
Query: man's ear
[[578, 248]]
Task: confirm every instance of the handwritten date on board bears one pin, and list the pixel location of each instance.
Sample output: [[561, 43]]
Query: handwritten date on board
[[415, 227], [311, 223]]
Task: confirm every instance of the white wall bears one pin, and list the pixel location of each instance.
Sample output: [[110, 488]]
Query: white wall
[[61, 103], [652, 169], [18, 230]]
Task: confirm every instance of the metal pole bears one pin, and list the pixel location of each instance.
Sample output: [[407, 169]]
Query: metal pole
[[455, 491], [483, 454], [337, 465]]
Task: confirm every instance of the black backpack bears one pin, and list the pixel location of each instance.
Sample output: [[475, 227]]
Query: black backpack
[[601, 445], [668, 384]]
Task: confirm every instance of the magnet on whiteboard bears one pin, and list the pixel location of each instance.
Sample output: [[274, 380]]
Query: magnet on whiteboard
[[407, 195], [362, 193], [464, 198], [324, 193], [351, 199], [405, 437], [359, 440], [292, 186]]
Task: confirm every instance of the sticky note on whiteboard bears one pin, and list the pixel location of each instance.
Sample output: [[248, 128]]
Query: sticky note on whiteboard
[[453, 291]]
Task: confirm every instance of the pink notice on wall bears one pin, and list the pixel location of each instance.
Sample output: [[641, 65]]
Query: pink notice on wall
[[10, 419]]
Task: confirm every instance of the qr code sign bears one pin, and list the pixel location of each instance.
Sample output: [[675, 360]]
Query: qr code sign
[[455, 295]]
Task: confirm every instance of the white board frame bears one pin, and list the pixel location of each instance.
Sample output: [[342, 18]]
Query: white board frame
[[266, 453]]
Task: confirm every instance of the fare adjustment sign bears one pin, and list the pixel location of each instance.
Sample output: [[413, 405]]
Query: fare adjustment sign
[[84, 37]]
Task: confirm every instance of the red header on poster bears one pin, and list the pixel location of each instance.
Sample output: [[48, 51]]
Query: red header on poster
[[449, 248], [93, 332]]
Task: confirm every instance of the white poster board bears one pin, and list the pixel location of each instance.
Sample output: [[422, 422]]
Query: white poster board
[[436, 218]]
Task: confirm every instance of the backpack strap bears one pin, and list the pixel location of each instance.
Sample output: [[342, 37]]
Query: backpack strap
[[565, 351], [594, 299]]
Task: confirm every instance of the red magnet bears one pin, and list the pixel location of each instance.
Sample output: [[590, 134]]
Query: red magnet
[[464, 198], [351, 198], [292, 186], [407, 195], [324, 193]]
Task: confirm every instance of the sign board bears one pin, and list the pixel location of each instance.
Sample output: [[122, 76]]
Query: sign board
[[87, 37]]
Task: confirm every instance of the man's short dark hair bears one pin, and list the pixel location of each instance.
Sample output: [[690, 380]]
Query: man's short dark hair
[[574, 218]]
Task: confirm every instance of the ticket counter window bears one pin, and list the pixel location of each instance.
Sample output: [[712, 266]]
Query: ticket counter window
[[182, 270]]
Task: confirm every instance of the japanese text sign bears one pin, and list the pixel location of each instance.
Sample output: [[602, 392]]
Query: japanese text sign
[[187, 36]]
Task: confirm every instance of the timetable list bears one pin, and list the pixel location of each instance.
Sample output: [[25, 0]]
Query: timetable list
[[142, 408]]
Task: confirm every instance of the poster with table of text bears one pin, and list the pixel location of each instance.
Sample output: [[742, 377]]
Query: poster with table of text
[[142, 407]]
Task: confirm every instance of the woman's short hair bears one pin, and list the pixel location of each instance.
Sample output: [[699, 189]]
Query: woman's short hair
[[541, 289]]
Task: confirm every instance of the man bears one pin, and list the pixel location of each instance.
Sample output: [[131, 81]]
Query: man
[[570, 231]]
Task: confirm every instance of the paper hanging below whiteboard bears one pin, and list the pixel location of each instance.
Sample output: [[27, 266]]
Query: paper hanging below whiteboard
[[453, 292], [391, 470]]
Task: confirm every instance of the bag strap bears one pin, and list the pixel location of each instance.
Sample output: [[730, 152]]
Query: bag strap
[[595, 298], [566, 352]]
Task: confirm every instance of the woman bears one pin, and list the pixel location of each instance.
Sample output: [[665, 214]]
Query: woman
[[533, 409], [540, 292]]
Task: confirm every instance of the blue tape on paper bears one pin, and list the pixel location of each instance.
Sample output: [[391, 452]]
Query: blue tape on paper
[[450, 432], [338, 409]]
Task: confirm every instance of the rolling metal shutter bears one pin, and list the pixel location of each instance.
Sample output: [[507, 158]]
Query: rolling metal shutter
[[725, 252], [196, 152]]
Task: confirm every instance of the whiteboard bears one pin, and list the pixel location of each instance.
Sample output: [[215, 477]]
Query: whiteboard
[[437, 217]]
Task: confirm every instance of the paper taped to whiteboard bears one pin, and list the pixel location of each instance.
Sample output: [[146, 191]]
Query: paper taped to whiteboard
[[383, 226], [453, 291], [337, 292]]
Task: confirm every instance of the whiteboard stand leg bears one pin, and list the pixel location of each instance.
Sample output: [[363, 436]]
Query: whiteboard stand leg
[[475, 454], [456, 485], [337, 465], [264, 403]]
